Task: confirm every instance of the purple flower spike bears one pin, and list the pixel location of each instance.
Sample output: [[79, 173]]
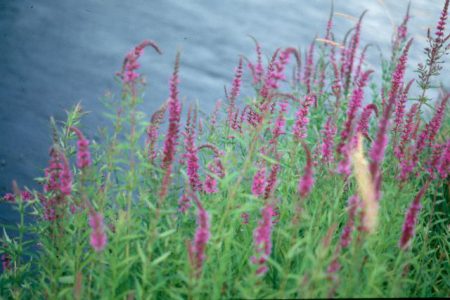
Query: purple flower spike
[[329, 132], [307, 180], [259, 182], [262, 239], [98, 238], [197, 247], [171, 140], [83, 154], [409, 224]]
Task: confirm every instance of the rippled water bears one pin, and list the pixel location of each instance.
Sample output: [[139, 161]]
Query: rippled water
[[55, 53]]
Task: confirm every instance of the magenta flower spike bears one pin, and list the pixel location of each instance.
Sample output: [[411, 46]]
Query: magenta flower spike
[[262, 239], [171, 140], [407, 132], [131, 65], [300, 129], [354, 105], [197, 247], [258, 70], [271, 181], [307, 180], [434, 162], [65, 177], [98, 238], [330, 23], [309, 67], [280, 122], [213, 119], [152, 130], [427, 136], [259, 182], [275, 73], [336, 87], [402, 30], [210, 184], [329, 132], [400, 107], [442, 22], [191, 154], [58, 174], [184, 203], [411, 216], [443, 165], [379, 145], [346, 235], [83, 153], [354, 43], [362, 57], [436, 122], [363, 124], [235, 88], [25, 195]]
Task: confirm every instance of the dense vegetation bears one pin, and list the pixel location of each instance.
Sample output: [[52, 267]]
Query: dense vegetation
[[328, 182]]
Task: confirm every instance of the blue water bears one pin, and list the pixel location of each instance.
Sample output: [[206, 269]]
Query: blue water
[[55, 53]]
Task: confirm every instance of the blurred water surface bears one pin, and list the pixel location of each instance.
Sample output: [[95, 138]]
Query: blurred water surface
[[55, 53]]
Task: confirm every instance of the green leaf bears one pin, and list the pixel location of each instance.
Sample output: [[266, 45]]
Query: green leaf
[[161, 258]]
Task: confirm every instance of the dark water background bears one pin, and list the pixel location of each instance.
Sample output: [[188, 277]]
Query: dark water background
[[55, 53]]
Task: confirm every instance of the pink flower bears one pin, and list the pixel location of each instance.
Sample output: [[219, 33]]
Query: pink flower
[[213, 119], [275, 72], [363, 124], [171, 140], [210, 185], [191, 154], [59, 184], [25, 195], [258, 70], [401, 34], [152, 130], [6, 262], [259, 182], [362, 57], [442, 22], [346, 235], [307, 180], [354, 105], [328, 132], [411, 219], [300, 129], [262, 239], [9, 197], [400, 107], [379, 145], [280, 123], [426, 137], [236, 86], [435, 124], [406, 136], [197, 247], [131, 65], [83, 154], [336, 87], [329, 25], [271, 181], [65, 177], [245, 217], [184, 203], [443, 166], [354, 43], [98, 238], [309, 67]]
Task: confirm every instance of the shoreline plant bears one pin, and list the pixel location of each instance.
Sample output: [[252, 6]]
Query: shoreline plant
[[309, 188]]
